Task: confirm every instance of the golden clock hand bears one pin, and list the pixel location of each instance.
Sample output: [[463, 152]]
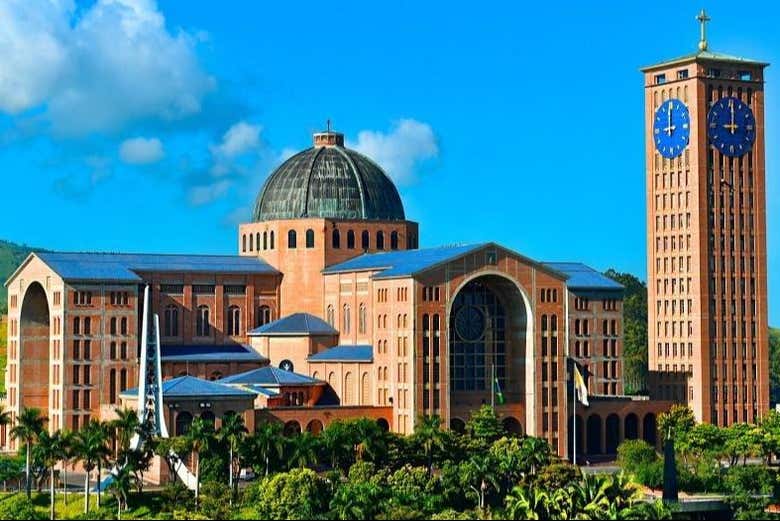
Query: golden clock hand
[[732, 127]]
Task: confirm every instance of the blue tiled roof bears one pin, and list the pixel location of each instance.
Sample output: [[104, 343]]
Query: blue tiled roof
[[193, 387], [405, 262], [584, 277], [125, 266], [295, 324], [272, 376], [345, 353], [209, 353]]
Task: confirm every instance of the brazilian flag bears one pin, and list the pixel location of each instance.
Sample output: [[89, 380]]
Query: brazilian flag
[[499, 394]]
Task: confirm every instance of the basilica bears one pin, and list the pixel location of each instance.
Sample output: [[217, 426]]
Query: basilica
[[331, 310]]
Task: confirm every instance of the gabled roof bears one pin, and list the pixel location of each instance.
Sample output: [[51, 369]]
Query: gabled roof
[[705, 55], [344, 353], [582, 276], [209, 353], [403, 263], [124, 267], [193, 387], [269, 376], [297, 324]]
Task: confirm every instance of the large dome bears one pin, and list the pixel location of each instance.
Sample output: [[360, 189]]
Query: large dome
[[331, 181]]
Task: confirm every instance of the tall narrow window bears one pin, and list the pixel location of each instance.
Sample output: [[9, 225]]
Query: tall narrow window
[[394, 240], [263, 316], [87, 325], [202, 327], [292, 239], [336, 239], [350, 240], [77, 325], [310, 238], [243, 243], [171, 320], [257, 241], [271, 240], [112, 386], [362, 319], [265, 240], [345, 320], [330, 315], [365, 239], [380, 240], [122, 380], [234, 321], [112, 326], [123, 326], [252, 242]]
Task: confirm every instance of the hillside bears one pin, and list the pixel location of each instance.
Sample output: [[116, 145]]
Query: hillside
[[11, 255]]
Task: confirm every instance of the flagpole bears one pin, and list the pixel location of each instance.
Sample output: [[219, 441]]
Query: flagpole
[[492, 386]]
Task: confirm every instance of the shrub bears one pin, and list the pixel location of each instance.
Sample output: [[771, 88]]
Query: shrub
[[297, 494], [557, 475], [18, 506]]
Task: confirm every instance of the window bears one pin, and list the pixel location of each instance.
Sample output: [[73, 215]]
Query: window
[[171, 320], [682, 74], [263, 315], [365, 240], [257, 241], [123, 326], [380, 240], [350, 240], [234, 321], [330, 315], [336, 239], [265, 240], [112, 386], [202, 327], [345, 320], [292, 239], [271, 240], [713, 73], [310, 238], [252, 242], [111, 326], [660, 79], [362, 319], [77, 325], [243, 243], [745, 75], [87, 325], [394, 240]]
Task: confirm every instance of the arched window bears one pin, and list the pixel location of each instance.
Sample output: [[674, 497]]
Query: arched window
[[330, 315], [252, 242], [365, 239], [292, 239], [215, 375], [394, 240], [349, 390], [122, 380], [310, 238], [365, 390], [171, 320], [183, 423], [123, 326], [362, 319], [111, 326], [263, 316], [112, 386], [234, 321], [345, 320], [265, 240], [350, 240], [336, 239], [87, 325], [112, 351], [380, 240], [257, 242], [243, 243], [202, 326]]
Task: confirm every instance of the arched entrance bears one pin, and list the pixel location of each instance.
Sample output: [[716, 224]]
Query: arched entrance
[[594, 434], [292, 428], [183, 423], [209, 417], [314, 427], [457, 425], [613, 433], [631, 431], [512, 426], [488, 335], [649, 429], [34, 350], [383, 424]]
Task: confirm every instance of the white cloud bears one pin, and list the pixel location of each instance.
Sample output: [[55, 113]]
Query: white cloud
[[204, 194], [401, 150], [239, 139], [99, 69], [141, 151]]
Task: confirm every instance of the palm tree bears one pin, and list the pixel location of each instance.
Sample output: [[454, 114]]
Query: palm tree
[[126, 424], [51, 451], [335, 440], [120, 488], [28, 427], [198, 438], [90, 447], [536, 453], [428, 430], [66, 438], [5, 420], [481, 475], [232, 432], [370, 439], [267, 440], [303, 448]]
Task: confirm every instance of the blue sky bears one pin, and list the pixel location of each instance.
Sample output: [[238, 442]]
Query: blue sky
[[139, 126]]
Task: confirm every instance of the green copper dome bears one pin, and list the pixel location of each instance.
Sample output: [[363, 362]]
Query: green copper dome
[[329, 181]]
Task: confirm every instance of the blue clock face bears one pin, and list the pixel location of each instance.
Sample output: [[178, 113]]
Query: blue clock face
[[671, 128], [731, 127]]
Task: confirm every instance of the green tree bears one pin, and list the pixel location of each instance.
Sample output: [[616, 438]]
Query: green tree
[[303, 450], [67, 438], [90, 447], [120, 487], [232, 433], [431, 437], [198, 438], [528, 503], [774, 364], [336, 443], [678, 420], [484, 426], [511, 460], [52, 451], [536, 453], [265, 444], [768, 435], [480, 475], [703, 440], [28, 427], [741, 441], [297, 494]]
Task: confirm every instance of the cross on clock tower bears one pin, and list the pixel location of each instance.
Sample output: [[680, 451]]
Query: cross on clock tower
[[706, 234]]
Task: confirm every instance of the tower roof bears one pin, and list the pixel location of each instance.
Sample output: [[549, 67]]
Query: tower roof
[[331, 181]]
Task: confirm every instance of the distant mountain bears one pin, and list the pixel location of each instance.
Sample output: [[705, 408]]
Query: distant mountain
[[11, 255]]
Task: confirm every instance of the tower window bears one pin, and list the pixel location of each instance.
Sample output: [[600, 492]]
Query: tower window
[[682, 74], [263, 316], [234, 321], [310, 238], [292, 240], [350, 240], [380, 240], [202, 326], [394, 240], [660, 79], [336, 239], [272, 240], [745, 75], [365, 240]]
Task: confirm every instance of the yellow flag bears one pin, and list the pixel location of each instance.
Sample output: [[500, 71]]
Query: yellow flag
[[579, 385]]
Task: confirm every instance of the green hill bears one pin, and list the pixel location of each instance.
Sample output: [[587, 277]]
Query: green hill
[[11, 255]]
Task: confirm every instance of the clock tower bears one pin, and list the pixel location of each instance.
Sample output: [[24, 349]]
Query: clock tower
[[706, 233]]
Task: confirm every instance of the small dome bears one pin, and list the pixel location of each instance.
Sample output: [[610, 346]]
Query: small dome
[[331, 181]]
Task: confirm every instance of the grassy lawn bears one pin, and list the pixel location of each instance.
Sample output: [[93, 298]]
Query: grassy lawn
[[149, 505]]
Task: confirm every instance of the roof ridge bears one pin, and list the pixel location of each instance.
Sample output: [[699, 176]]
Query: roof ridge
[[149, 254]]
